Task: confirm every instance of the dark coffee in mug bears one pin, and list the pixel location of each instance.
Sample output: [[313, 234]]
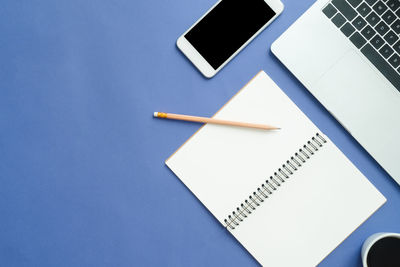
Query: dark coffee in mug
[[385, 253]]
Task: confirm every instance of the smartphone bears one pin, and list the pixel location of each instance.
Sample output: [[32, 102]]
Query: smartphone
[[225, 30]]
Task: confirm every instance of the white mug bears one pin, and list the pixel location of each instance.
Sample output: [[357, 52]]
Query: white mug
[[370, 241]]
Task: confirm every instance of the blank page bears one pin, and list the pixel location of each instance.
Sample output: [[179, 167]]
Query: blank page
[[311, 213]]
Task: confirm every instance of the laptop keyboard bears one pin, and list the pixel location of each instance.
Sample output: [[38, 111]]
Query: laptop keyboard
[[373, 26]]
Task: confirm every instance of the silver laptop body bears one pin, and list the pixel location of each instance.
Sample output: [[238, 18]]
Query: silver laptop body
[[347, 54]]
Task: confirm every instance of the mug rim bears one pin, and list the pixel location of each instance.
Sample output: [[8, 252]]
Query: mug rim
[[374, 238]]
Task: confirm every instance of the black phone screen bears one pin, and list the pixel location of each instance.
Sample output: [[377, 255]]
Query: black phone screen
[[227, 27]]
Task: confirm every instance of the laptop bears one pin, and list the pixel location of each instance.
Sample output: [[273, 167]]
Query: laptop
[[347, 54]]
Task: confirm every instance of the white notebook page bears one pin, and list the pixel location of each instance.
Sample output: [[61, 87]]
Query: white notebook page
[[223, 165], [313, 212]]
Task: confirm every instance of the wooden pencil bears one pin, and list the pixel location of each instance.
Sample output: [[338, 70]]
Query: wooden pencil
[[172, 116]]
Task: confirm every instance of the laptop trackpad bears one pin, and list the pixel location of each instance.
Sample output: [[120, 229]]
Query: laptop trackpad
[[351, 90]]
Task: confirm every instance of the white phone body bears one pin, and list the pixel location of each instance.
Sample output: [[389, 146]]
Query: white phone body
[[200, 62]]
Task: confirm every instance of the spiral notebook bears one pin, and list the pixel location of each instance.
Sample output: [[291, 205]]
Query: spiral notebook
[[289, 196]]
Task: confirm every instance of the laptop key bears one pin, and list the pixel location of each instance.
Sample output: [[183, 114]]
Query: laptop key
[[382, 28], [359, 23], [394, 60], [373, 19], [371, 2], [396, 47], [380, 7], [396, 26], [386, 51], [354, 3], [389, 17], [347, 29], [345, 9], [380, 63], [393, 4], [368, 32], [329, 11], [391, 37], [338, 20], [377, 41], [357, 40], [364, 9]]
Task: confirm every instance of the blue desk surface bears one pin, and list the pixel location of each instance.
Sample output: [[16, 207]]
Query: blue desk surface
[[82, 174]]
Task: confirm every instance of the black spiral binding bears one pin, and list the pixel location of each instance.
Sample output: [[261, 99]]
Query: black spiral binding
[[275, 181]]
